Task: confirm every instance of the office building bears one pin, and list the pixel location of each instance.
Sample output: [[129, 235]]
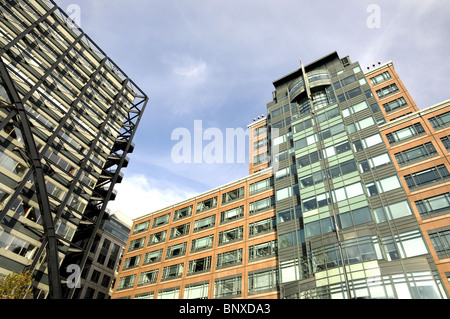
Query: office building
[[68, 115], [357, 205]]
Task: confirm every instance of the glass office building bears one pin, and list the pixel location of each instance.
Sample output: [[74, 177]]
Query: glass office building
[[336, 215], [68, 115]]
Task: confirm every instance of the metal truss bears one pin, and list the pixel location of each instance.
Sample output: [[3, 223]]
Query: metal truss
[[96, 210]]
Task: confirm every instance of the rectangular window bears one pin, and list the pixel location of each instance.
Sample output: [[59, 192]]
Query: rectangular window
[[262, 226], [232, 214], [172, 272], [157, 238], [264, 250], [262, 281], [228, 287], [202, 243], [430, 206], [288, 214], [405, 133], [136, 244], [262, 205], [182, 213], [231, 235], [141, 227], [380, 78], [347, 192], [171, 293], [446, 141], [204, 223], [394, 104], [440, 121], [428, 176], [309, 159], [367, 142], [148, 277], [259, 131], [153, 257], [131, 262], [161, 220], [392, 211], [441, 243], [126, 282], [176, 250], [199, 265], [354, 217], [360, 125], [386, 91], [415, 154], [383, 185], [261, 186], [348, 80], [353, 93], [374, 162], [233, 195], [229, 258], [207, 204], [179, 231], [306, 124], [196, 291], [355, 108]]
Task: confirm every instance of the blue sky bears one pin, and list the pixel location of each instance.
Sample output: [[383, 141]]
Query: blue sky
[[215, 61]]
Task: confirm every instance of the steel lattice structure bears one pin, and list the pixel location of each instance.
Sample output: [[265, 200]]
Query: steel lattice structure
[[68, 117]]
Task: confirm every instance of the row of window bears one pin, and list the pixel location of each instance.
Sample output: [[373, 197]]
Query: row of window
[[210, 204], [201, 265], [229, 287]]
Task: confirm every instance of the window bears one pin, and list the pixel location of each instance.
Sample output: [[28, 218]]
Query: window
[[354, 217], [157, 238], [327, 115], [179, 231], [332, 131], [126, 282], [153, 257], [427, 176], [259, 131], [95, 276], [260, 144], [410, 244], [182, 213], [383, 185], [228, 287], [282, 173], [176, 250], [288, 214], [262, 205], [367, 142], [199, 265], [204, 223], [263, 250], [233, 195], [262, 226], [386, 91], [139, 228], [136, 244], [148, 277], [196, 291], [231, 235], [171, 293], [131, 262], [433, 205], [145, 295], [207, 204], [309, 159], [394, 104], [440, 121], [405, 133], [446, 141], [353, 93], [318, 227], [161, 220], [202, 243], [232, 214], [303, 142], [348, 80], [229, 258], [441, 243], [354, 108], [374, 162], [347, 192], [415, 154], [380, 78], [261, 185], [106, 281], [392, 211], [360, 125], [262, 281], [172, 272], [314, 202]]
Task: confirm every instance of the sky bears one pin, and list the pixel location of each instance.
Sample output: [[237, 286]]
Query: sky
[[208, 66]]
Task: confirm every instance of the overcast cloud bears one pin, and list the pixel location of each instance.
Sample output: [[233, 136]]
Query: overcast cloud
[[215, 61]]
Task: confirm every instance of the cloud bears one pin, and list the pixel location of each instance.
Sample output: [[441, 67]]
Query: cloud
[[139, 195]]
